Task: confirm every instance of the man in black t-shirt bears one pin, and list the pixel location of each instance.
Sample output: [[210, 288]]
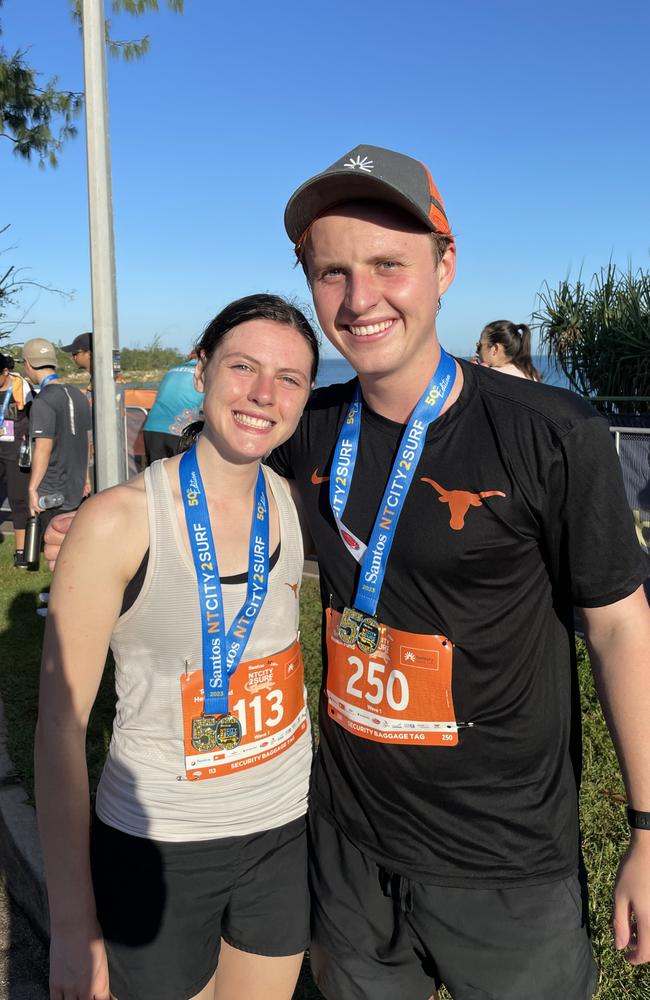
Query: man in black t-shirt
[[60, 427], [444, 801]]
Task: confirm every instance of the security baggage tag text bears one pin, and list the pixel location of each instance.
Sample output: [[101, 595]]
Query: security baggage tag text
[[266, 696], [401, 693]]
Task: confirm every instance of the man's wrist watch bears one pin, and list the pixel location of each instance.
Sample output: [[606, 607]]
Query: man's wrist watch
[[638, 820]]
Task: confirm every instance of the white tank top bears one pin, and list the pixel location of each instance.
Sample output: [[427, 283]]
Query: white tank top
[[143, 789]]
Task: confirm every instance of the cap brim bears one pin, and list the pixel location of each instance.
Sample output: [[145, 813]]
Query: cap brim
[[69, 348], [328, 190]]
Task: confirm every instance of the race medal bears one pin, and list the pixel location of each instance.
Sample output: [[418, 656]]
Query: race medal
[[267, 715], [228, 732], [369, 635], [359, 629], [358, 625], [204, 733], [400, 694], [348, 629]]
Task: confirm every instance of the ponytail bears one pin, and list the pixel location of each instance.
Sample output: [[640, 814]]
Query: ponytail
[[522, 358], [516, 343], [189, 435]]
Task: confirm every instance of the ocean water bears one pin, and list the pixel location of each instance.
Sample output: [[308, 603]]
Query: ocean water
[[338, 370]]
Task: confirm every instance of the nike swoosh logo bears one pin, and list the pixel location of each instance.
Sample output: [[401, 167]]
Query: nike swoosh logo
[[317, 480]]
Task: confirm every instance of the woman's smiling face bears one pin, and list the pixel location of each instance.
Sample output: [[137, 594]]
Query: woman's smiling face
[[256, 385]]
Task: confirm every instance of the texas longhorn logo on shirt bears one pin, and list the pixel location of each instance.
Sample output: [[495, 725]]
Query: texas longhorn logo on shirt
[[460, 501]]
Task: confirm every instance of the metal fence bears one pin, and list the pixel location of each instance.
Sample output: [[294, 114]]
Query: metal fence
[[633, 447], [136, 406]]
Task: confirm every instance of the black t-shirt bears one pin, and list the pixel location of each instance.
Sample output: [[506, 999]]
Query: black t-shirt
[[499, 577], [62, 413]]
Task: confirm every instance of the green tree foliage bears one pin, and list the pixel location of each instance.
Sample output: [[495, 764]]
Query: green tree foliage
[[151, 357], [599, 334], [39, 119]]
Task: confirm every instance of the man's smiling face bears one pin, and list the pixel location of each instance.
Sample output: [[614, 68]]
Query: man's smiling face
[[376, 286]]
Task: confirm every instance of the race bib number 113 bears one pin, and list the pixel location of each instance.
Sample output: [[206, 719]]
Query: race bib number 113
[[400, 693], [267, 700]]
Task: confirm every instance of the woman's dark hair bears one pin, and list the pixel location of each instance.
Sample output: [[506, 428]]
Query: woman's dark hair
[[515, 340], [6, 361], [259, 306]]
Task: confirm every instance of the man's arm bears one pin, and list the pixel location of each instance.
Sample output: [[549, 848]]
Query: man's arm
[[618, 637], [41, 453]]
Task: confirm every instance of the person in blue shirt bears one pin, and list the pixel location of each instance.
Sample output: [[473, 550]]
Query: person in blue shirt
[[178, 403]]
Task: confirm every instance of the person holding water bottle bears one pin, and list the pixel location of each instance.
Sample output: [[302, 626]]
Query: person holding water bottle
[[60, 431], [194, 883]]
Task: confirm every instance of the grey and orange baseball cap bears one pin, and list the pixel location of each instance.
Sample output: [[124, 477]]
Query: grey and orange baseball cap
[[368, 172]]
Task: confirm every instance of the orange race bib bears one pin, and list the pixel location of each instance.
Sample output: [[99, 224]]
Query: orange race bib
[[401, 693], [267, 697]]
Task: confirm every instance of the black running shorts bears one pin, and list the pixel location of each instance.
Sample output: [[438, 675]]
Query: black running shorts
[[164, 907], [379, 936]]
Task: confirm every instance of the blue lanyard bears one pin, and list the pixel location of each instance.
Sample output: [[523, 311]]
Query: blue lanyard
[[48, 378], [222, 652], [5, 403], [374, 557]]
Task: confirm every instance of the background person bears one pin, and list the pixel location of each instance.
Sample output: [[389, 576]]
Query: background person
[[506, 346], [196, 866], [15, 399], [81, 350], [60, 432], [178, 403]]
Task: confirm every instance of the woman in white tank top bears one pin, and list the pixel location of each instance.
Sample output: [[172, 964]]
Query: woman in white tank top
[[193, 883]]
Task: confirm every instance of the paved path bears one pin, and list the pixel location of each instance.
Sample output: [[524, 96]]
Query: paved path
[[23, 956]]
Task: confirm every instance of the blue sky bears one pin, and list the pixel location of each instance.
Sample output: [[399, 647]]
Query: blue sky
[[532, 117]]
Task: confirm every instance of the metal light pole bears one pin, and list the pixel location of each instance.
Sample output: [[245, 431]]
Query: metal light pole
[[108, 422]]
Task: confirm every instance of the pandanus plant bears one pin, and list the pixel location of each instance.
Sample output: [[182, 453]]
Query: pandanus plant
[[600, 335]]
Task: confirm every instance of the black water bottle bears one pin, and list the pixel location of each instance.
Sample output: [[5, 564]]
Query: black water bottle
[[32, 553]]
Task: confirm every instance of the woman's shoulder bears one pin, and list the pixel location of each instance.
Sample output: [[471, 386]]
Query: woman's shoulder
[[511, 369], [117, 514], [279, 484]]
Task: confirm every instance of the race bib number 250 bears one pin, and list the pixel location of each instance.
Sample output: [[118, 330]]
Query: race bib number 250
[[400, 693]]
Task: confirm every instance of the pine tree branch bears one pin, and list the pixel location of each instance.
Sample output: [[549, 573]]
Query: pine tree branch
[[40, 120]]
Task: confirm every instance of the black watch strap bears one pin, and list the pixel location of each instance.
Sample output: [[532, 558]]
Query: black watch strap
[[638, 820]]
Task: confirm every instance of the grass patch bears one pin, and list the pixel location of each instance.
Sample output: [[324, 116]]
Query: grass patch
[[603, 817]]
